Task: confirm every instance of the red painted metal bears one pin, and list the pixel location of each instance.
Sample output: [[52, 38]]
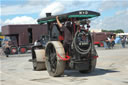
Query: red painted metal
[[67, 57]]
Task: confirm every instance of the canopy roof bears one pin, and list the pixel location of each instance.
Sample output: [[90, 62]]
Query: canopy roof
[[78, 15]]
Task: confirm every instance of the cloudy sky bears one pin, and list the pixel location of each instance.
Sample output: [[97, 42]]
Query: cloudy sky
[[114, 13]]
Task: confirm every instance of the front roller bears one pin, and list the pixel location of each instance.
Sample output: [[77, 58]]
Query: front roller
[[38, 58], [54, 64]]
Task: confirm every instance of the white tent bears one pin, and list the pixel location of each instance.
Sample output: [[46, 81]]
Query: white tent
[[121, 34]]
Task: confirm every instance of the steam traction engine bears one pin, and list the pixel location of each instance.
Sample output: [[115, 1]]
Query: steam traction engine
[[81, 54]]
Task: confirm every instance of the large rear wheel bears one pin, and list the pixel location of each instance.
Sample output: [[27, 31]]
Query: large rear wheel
[[55, 66]]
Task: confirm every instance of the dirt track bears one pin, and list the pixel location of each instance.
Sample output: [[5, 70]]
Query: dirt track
[[112, 69]]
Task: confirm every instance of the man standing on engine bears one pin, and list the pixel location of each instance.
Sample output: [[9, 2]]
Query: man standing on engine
[[67, 34]]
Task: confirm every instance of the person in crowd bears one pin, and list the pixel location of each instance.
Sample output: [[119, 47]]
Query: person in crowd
[[108, 42], [112, 41], [104, 42], [123, 41], [6, 48]]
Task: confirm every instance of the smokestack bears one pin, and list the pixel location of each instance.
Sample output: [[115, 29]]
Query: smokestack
[[48, 14]]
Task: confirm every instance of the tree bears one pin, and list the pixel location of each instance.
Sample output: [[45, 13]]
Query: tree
[[120, 31], [114, 31]]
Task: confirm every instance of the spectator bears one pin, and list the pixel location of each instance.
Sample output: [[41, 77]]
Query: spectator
[[126, 40], [6, 48], [105, 44], [108, 42], [123, 41], [112, 41]]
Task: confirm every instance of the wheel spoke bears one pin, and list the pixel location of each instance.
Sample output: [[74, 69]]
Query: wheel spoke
[[52, 59]]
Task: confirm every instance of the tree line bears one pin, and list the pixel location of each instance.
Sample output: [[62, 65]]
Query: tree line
[[114, 31]]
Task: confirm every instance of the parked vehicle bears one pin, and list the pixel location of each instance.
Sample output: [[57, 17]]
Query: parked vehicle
[[51, 54], [20, 38], [99, 37]]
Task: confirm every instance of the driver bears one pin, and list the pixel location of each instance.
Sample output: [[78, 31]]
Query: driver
[[67, 34]]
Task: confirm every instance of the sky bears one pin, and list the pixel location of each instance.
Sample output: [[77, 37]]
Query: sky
[[114, 13]]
